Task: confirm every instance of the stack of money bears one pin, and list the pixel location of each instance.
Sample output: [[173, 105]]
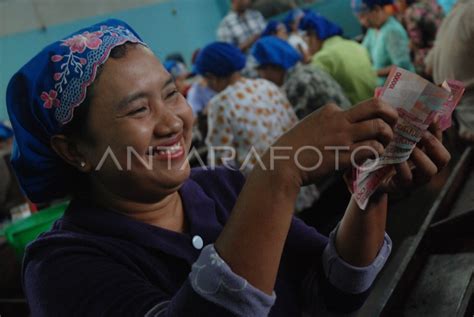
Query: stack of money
[[456, 90], [417, 102]]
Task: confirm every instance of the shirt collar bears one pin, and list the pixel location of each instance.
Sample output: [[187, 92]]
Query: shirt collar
[[199, 211], [390, 20], [291, 71], [330, 41]]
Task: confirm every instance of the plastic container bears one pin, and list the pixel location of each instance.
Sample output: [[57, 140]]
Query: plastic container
[[22, 232]]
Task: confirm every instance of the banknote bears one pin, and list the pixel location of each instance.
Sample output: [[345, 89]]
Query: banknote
[[456, 91], [365, 189], [417, 102]]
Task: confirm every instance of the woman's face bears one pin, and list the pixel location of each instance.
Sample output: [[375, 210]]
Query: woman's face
[[272, 73], [295, 24], [373, 18], [313, 42], [281, 31], [138, 117], [217, 84]]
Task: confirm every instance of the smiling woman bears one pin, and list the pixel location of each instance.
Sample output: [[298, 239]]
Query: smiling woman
[[132, 106], [168, 240], [146, 115]]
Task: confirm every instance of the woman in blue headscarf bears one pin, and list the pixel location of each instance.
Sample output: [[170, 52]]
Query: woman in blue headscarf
[[346, 61], [97, 117], [386, 39], [307, 88], [246, 113], [275, 28], [291, 21], [180, 73]]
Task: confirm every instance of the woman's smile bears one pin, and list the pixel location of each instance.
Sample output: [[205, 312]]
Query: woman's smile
[[169, 151]]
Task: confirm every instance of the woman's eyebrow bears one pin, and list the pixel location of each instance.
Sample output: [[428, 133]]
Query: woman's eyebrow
[[128, 99]]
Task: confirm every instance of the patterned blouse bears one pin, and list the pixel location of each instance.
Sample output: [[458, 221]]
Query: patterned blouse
[[249, 113], [422, 20], [248, 117], [309, 88]]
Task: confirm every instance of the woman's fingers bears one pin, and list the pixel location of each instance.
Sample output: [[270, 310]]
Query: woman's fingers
[[372, 109], [404, 176], [425, 168], [436, 130], [435, 150], [361, 151], [371, 131], [375, 129]]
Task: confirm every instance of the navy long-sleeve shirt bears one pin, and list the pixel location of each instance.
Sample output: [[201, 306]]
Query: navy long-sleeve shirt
[[96, 262]]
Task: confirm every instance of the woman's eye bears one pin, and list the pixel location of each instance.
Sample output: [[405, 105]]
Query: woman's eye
[[172, 93], [136, 111]]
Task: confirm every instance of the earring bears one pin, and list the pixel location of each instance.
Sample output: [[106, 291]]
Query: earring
[[83, 164]]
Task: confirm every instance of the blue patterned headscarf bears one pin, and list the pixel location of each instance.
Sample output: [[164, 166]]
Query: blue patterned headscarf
[[272, 50], [322, 26], [220, 59], [42, 96]]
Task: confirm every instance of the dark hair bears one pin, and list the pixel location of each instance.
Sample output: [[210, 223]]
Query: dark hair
[[77, 127]]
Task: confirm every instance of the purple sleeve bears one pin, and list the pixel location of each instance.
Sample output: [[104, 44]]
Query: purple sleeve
[[111, 289], [213, 281], [335, 285], [327, 282], [349, 278]]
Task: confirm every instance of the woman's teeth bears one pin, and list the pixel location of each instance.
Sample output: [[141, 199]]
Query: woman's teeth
[[169, 150]]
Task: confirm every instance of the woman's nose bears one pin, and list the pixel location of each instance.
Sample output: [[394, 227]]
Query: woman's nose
[[168, 123]]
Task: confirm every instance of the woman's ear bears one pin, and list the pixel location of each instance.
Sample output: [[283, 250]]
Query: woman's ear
[[68, 150]]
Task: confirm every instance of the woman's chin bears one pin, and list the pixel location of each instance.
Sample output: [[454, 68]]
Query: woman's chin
[[174, 176]]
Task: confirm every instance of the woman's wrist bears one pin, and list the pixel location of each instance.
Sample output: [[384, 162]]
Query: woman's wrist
[[361, 232], [281, 175]]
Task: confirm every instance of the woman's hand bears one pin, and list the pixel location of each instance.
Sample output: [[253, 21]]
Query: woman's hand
[[427, 159], [252, 241], [383, 72], [361, 233], [338, 136]]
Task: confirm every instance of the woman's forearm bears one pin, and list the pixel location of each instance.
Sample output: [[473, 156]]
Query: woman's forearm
[[384, 71], [252, 241], [361, 232]]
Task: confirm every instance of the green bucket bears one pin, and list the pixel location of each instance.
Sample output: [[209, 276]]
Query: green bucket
[[23, 231]]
